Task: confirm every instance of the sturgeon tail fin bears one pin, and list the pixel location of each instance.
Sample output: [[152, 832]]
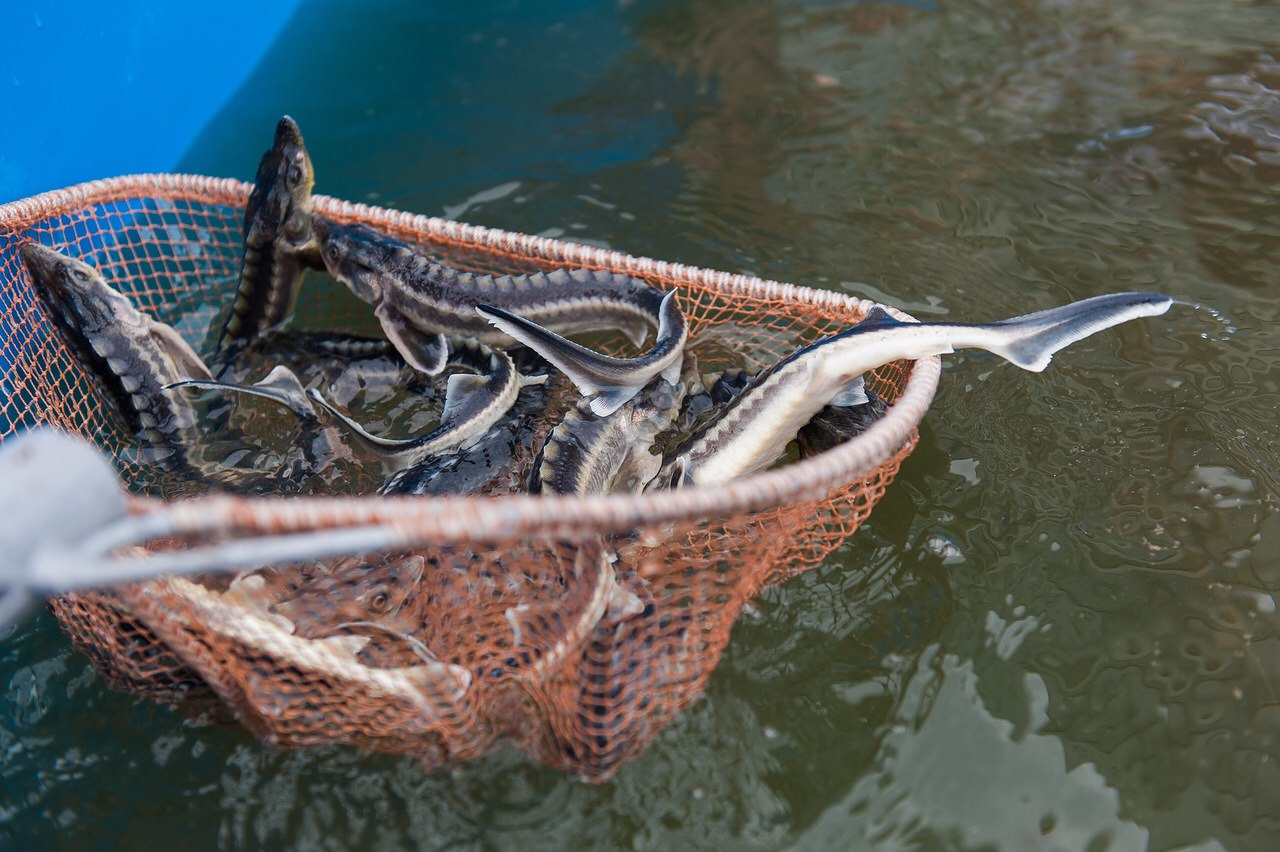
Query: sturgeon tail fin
[[1029, 341], [610, 382]]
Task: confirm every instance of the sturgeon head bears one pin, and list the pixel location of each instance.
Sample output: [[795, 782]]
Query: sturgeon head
[[753, 430], [278, 242], [419, 301], [130, 356], [373, 266]]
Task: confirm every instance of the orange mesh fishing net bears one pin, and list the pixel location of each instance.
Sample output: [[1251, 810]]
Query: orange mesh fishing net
[[448, 675]]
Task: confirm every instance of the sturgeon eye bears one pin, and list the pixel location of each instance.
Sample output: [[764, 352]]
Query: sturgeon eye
[[293, 177]]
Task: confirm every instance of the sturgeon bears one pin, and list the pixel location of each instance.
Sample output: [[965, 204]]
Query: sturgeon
[[753, 430], [472, 403], [420, 301], [128, 355], [492, 464], [278, 242], [588, 453], [836, 424]]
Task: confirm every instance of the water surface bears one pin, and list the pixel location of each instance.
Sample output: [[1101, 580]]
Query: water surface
[[1058, 629]]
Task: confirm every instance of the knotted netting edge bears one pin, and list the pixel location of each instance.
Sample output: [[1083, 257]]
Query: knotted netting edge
[[458, 519]]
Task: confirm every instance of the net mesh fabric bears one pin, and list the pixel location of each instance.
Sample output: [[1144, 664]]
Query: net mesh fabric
[[503, 632]]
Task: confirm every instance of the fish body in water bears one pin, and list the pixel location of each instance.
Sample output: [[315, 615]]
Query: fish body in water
[[589, 453], [490, 465], [753, 430], [129, 355], [836, 424], [472, 404], [420, 301], [278, 241]]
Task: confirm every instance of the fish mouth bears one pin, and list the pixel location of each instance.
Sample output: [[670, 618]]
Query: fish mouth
[[287, 133], [45, 265]]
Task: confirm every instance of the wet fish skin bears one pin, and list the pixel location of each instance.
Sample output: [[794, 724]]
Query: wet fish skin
[[419, 301], [278, 242], [609, 382], [473, 403], [754, 429], [588, 453], [836, 424], [129, 355], [487, 466]]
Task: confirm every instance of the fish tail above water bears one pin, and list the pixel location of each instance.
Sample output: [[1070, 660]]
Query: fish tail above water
[[609, 381], [1030, 340], [753, 430]]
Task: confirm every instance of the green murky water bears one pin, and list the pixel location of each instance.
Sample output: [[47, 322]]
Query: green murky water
[[1058, 630]]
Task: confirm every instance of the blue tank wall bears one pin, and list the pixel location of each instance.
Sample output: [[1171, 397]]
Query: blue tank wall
[[93, 89]]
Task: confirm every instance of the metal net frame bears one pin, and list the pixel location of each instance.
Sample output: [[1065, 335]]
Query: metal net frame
[[582, 688]]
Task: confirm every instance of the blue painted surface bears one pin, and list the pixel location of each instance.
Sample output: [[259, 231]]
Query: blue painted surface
[[92, 89]]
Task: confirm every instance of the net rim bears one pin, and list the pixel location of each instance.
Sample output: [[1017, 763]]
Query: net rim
[[478, 518]]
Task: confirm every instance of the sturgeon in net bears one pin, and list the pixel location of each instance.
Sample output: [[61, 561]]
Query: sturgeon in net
[[753, 430], [419, 302], [278, 241], [472, 403], [127, 354], [588, 453]]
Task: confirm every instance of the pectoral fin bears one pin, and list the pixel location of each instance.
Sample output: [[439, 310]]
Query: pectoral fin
[[854, 393], [179, 351], [425, 352], [458, 387]]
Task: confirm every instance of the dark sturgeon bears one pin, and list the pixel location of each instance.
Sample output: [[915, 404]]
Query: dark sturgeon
[[278, 242], [140, 365], [754, 429], [130, 356], [492, 464], [419, 301], [836, 424]]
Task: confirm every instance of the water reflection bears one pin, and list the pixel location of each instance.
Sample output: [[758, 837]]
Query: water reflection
[[1060, 627]]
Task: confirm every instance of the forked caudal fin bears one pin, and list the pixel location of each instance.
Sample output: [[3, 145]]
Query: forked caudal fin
[[1029, 341], [610, 381]]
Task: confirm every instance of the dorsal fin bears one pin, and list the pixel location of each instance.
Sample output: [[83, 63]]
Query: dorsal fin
[[875, 318]]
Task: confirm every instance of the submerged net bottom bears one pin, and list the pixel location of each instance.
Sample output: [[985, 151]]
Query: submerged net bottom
[[494, 642]]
